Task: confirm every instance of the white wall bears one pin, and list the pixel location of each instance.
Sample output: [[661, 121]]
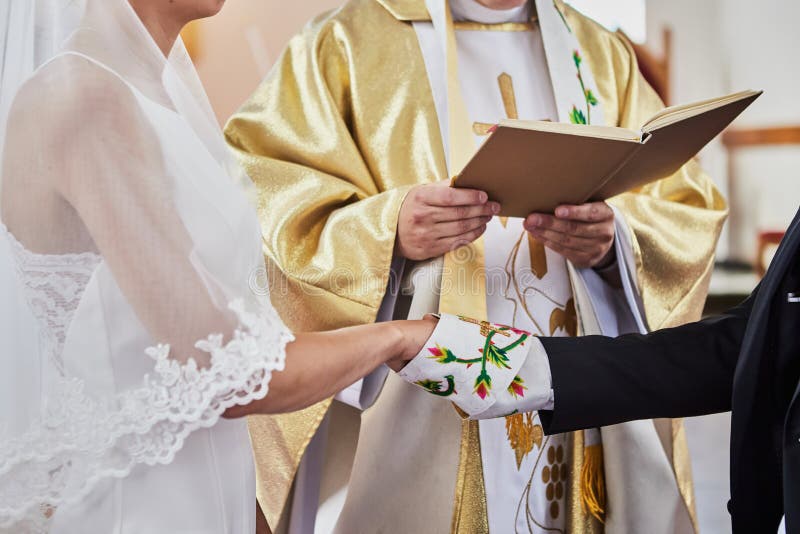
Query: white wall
[[723, 46], [241, 43], [761, 45]]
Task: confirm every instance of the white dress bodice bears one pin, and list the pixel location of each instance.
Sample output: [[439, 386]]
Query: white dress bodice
[[189, 476]]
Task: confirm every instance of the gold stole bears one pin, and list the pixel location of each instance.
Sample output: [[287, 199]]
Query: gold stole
[[463, 293]]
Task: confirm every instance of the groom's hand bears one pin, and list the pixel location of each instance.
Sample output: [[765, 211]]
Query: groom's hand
[[435, 219], [583, 234]]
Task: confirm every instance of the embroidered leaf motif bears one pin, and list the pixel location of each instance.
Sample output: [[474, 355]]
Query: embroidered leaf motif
[[567, 319], [435, 387], [576, 116], [523, 435], [517, 387], [489, 353], [441, 354], [498, 356], [483, 384], [444, 355]]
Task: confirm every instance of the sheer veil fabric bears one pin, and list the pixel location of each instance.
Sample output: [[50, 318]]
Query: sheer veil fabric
[[129, 248]]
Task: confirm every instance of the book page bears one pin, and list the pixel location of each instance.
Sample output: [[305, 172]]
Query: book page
[[675, 114], [600, 132]]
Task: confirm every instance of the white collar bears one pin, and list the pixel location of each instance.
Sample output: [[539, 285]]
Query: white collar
[[473, 11]]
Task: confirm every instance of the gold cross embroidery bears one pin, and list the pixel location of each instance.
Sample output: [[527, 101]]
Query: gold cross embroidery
[[509, 103], [506, 85], [486, 327]]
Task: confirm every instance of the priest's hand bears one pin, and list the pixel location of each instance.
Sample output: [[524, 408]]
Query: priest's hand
[[582, 234], [435, 219]]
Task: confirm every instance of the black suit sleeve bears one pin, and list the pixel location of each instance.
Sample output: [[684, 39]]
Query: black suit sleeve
[[676, 372]]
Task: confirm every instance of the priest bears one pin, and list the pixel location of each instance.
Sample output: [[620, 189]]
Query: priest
[[349, 139]]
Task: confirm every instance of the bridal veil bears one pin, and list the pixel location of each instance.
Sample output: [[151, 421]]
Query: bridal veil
[[133, 312]]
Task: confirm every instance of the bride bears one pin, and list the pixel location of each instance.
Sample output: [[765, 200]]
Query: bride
[[134, 326]]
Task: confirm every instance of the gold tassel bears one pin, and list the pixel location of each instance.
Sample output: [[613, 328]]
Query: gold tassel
[[593, 484]]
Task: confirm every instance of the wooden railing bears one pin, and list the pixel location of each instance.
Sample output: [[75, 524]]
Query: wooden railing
[[749, 137], [735, 139]]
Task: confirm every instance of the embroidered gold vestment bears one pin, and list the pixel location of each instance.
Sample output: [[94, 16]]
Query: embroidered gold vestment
[[345, 125]]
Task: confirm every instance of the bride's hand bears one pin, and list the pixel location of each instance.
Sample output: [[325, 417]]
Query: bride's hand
[[415, 334]]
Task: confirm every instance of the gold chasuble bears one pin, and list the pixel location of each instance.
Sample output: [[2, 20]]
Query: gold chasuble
[[344, 125]]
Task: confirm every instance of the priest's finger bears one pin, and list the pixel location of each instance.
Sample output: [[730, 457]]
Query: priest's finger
[[447, 244], [451, 196], [570, 241], [591, 212], [460, 213], [461, 226], [598, 230], [579, 258]]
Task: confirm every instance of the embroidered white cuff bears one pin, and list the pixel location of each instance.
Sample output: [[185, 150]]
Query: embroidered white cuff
[[483, 368], [533, 392]]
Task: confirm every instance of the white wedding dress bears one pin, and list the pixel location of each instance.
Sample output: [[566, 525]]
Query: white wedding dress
[[115, 427]]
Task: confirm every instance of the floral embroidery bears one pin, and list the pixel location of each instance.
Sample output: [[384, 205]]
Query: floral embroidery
[[441, 354], [435, 387], [517, 331], [517, 387], [445, 355], [483, 384], [490, 353], [576, 116]]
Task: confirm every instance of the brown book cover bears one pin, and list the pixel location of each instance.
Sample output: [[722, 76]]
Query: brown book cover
[[535, 166]]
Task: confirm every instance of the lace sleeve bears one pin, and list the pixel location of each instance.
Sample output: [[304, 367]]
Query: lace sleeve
[[145, 425]]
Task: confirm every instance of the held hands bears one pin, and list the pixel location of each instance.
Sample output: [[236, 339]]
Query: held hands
[[582, 234], [435, 219], [414, 335]]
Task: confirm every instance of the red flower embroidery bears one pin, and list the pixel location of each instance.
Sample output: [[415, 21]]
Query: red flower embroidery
[[516, 388], [483, 384], [517, 331]]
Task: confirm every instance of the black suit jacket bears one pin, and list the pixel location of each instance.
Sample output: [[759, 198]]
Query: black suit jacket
[[746, 360]]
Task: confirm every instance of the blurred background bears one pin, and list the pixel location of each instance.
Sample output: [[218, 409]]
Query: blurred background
[[689, 50]]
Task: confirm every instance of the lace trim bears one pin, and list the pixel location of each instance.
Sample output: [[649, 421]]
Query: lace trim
[[54, 286], [81, 440], [26, 256]]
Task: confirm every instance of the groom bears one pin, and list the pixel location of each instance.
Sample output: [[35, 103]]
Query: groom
[[746, 360], [366, 110]]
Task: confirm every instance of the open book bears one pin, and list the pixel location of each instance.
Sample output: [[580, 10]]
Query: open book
[[534, 166]]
